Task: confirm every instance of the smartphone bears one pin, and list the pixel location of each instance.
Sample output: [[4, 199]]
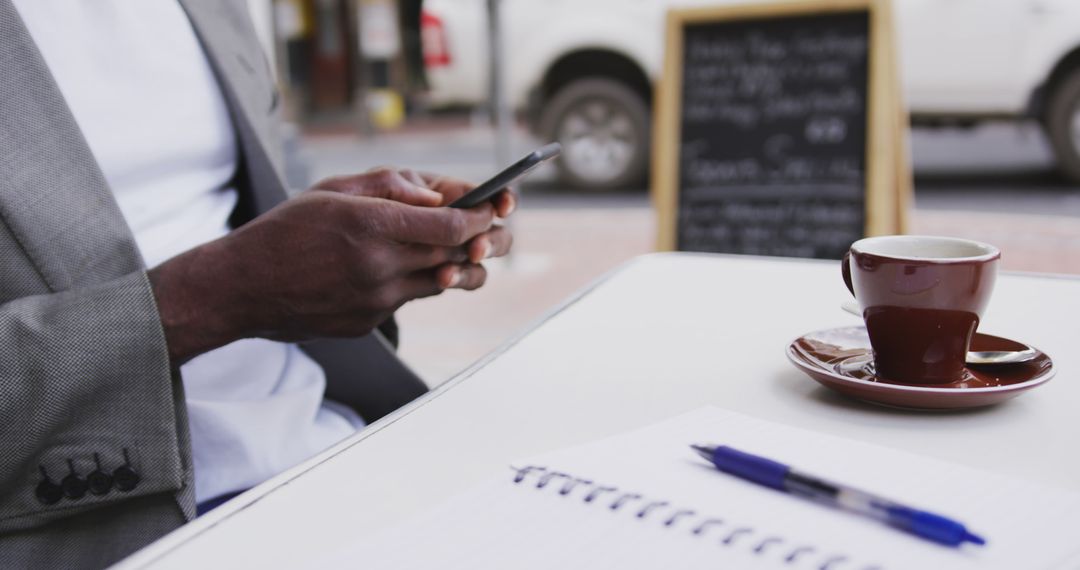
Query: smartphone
[[512, 174]]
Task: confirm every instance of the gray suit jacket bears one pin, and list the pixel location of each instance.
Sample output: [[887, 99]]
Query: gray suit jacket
[[95, 459]]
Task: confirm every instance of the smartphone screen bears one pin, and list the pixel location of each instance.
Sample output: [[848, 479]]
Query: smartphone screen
[[512, 174]]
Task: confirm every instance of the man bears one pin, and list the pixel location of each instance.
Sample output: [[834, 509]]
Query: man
[[154, 282]]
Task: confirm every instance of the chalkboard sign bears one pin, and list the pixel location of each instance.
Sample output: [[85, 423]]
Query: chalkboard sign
[[779, 129]]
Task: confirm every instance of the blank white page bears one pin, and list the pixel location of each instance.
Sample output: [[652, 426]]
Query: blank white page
[[644, 499]]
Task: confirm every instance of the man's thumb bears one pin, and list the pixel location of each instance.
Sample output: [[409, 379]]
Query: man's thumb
[[384, 183]]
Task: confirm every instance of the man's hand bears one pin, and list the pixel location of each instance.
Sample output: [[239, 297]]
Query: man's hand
[[331, 262], [421, 189]]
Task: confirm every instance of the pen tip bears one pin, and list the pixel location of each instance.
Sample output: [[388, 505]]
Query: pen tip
[[704, 451], [970, 537]]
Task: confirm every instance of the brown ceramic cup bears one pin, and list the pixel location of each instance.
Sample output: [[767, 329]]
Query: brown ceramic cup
[[922, 298]]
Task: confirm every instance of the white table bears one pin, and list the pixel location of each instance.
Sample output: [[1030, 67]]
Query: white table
[[664, 334]]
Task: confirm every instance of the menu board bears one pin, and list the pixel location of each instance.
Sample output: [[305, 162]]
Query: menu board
[[768, 119]]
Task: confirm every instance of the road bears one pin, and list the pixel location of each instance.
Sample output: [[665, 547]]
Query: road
[[994, 184], [999, 168]]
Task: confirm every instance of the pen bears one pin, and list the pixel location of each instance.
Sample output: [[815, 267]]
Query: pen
[[783, 478]]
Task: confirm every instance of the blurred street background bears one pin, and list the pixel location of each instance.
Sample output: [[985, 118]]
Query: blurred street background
[[356, 91]]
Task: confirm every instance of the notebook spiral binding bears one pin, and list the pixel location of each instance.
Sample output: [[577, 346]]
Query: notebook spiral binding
[[699, 525]]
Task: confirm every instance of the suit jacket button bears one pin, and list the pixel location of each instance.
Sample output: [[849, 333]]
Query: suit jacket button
[[99, 482], [74, 487], [48, 493], [125, 478]]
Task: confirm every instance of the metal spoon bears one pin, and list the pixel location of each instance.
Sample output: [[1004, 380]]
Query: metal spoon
[[974, 357]]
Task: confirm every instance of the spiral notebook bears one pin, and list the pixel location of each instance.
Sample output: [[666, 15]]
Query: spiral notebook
[[645, 500]]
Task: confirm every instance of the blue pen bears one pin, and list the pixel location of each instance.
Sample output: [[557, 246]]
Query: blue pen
[[783, 478]]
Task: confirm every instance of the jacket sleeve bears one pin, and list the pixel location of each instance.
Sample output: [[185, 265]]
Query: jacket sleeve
[[88, 401]]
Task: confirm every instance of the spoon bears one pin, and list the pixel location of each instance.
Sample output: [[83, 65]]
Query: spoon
[[974, 357]]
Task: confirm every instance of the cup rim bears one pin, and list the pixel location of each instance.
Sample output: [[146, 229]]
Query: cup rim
[[991, 252]]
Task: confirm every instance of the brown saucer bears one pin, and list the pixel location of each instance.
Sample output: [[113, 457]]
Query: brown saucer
[[841, 359]]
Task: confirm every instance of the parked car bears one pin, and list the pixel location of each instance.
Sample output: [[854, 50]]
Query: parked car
[[583, 70]]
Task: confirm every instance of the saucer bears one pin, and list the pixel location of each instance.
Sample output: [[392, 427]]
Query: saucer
[[841, 359]]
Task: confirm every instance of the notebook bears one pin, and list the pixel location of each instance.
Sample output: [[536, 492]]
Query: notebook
[[644, 499]]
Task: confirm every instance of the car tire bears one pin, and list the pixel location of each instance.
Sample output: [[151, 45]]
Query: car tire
[[1063, 125], [603, 126]]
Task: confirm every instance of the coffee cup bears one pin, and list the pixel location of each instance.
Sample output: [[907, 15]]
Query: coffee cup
[[922, 298]]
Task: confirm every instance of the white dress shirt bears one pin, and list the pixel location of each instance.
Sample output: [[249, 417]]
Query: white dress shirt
[[146, 99]]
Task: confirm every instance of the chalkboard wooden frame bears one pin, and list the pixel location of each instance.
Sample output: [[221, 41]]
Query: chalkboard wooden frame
[[888, 184]]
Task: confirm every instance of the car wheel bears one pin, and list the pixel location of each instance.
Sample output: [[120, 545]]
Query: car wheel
[[603, 126], [1063, 125]]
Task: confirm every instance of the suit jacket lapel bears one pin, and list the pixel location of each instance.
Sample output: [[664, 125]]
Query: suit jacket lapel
[[226, 34], [55, 200], [362, 373]]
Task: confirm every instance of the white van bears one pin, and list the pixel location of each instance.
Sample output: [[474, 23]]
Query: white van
[[584, 70]]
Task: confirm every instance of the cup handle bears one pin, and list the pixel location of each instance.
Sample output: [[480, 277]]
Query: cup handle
[[845, 270]]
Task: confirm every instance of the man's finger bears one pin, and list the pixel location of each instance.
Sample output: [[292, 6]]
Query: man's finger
[[480, 248], [466, 276], [505, 202], [415, 257], [414, 177], [385, 183], [450, 188], [430, 282], [494, 243], [420, 284], [436, 226]]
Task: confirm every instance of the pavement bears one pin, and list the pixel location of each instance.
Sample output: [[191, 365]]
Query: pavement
[[993, 184]]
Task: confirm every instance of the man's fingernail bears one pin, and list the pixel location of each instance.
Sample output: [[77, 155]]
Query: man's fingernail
[[488, 249], [455, 278]]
